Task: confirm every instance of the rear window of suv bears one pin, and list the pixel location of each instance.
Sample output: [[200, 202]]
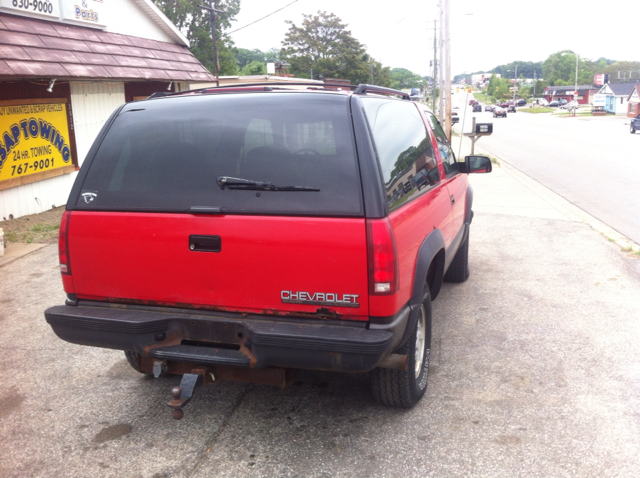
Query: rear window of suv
[[167, 154]]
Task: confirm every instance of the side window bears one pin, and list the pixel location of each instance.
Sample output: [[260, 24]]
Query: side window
[[404, 148], [446, 153]]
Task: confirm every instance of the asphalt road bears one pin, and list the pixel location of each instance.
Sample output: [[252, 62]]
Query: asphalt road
[[534, 373], [593, 162]]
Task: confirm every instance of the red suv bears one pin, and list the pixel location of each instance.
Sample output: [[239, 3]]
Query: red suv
[[242, 233]]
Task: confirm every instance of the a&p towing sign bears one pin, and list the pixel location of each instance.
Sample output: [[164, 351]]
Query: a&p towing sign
[[34, 141]]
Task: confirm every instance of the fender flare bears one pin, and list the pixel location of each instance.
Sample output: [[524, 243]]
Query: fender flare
[[468, 215], [431, 251]]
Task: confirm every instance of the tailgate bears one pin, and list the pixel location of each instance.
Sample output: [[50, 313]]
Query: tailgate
[[261, 264]]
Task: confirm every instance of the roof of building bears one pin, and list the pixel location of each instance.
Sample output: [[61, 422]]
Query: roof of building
[[634, 94], [55, 50], [621, 89], [553, 90]]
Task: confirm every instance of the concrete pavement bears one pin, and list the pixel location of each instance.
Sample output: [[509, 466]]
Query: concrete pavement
[[509, 191], [534, 373]]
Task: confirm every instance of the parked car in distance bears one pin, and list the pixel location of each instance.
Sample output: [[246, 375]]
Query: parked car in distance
[[454, 117], [571, 105], [477, 107], [635, 124], [563, 102], [489, 107], [554, 104], [541, 102], [499, 112], [521, 102], [246, 232], [473, 102]]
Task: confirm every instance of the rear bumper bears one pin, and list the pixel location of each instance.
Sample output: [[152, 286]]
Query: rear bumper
[[225, 339]]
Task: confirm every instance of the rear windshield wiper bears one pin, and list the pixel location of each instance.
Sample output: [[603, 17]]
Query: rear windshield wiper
[[240, 183]]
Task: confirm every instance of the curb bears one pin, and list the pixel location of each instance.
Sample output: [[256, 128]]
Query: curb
[[16, 250], [565, 206]]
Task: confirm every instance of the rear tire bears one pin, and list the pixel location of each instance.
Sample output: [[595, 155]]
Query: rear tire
[[632, 129], [459, 268], [405, 388], [134, 360]]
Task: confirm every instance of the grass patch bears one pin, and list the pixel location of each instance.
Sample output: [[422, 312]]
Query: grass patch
[[10, 236], [539, 109], [481, 97], [39, 228], [569, 113]]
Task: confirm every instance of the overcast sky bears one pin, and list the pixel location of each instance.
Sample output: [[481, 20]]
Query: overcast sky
[[484, 34]]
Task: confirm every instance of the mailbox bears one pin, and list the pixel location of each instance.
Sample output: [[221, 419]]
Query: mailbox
[[484, 128]]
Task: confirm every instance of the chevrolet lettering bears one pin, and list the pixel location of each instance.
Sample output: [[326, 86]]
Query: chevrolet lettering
[[319, 298]]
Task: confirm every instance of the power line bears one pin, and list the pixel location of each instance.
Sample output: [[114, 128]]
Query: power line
[[237, 30]]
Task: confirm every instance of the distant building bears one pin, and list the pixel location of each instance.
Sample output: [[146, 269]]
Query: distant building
[[616, 97], [586, 93], [633, 102], [481, 78]]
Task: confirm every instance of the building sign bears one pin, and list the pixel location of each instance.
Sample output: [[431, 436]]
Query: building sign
[[599, 99], [88, 13], [36, 8], [34, 138]]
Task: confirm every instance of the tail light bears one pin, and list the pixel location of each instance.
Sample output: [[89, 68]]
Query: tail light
[[383, 258], [63, 244]]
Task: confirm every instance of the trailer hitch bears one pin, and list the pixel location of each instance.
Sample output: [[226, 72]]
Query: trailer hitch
[[182, 395]]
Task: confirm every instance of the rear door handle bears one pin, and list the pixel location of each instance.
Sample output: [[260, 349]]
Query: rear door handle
[[453, 199], [205, 243]]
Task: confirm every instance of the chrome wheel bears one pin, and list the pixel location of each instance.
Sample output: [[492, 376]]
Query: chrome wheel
[[421, 336]]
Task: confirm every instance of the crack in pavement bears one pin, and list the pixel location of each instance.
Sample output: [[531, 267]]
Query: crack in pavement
[[225, 422]]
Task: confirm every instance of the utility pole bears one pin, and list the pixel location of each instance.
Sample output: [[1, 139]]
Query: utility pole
[[576, 90], [515, 85], [440, 85], [447, 45], [435, 69], [212, 20]]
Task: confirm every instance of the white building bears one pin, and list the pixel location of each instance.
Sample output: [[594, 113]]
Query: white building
[[63, 71], [615, 97], [481, 78]]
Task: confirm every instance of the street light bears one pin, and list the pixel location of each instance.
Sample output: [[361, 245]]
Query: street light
[[515, 84]]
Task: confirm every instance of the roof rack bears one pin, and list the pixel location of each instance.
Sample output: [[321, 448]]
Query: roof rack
[[361, 89]]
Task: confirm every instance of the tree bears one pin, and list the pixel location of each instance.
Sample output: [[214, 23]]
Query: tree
[[323, 44], [380, 75], [194, 23], [629, 70], [560, 69], [244, 56], [254, 68], [404, 79]]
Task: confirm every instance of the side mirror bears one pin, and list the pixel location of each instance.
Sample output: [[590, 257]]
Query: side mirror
[[433, 176], [477, 164]]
